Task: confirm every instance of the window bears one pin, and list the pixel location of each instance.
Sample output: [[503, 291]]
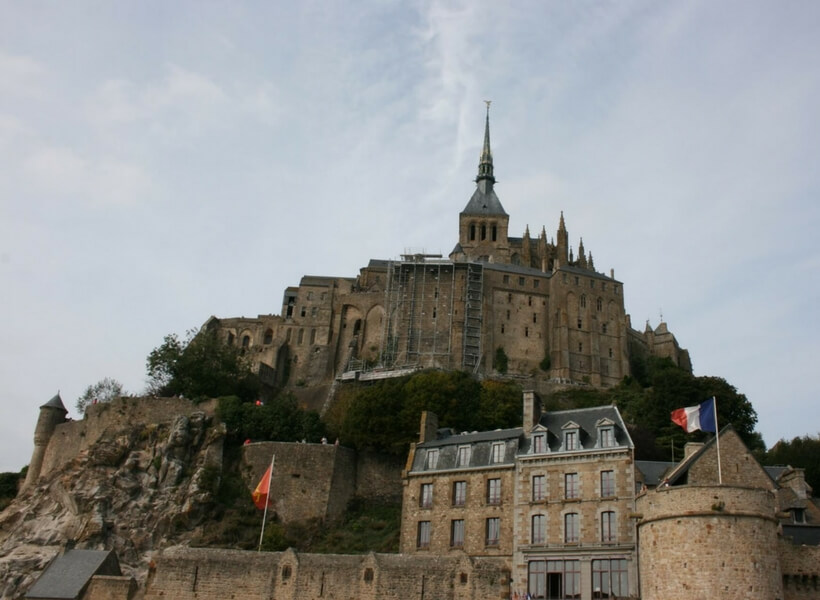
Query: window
[[610, 353], [606, 436], [554, 579], [526, 332], [497, 455], [310, 295], [301, 337], [495, 233], [459, 493], [423, 537], [583, 301], [529, 300], [493, 527], [536, 283], [432, 459], [493, 491], [539, 529], [539, 487], [798, 515], [535, 317], [522, 281], [312, 336], [506, 278], [579, 323], [314, 311], [600, 305], [502, 328], [607, 484], [609, 528], [231, 338], [603, 328], [509, 300], [571, 528], [268, 336], [286, 572], [483, 232], [580, 347], [303, 312], [609, 578], [472, 232], [426, 495], [434, 312], [246, 341], [571, 490], [577, 281], [508, 315], [539, 443], [571, 440], [463, 458], [368, 575], [457, 533], [592, 283]]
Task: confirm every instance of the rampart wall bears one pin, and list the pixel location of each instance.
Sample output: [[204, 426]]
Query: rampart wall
[[203, 574], [72, 437], [801, 571], [109, 587], [697, 541], [318, 480]]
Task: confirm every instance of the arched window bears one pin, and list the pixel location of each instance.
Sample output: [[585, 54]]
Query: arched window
[[472, 232], [246, 341], [483, 232], [268, 335], [231, 338], [583, 301]]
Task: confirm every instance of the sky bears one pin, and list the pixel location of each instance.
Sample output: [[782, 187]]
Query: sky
[[162, 162]]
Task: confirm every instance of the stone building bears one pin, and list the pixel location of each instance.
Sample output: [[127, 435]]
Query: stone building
[[554, 316], [554, 497]]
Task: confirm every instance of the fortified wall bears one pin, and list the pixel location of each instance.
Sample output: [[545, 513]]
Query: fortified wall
[[190, 573]]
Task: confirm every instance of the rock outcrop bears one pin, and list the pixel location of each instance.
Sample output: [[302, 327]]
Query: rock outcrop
[[137, 489]]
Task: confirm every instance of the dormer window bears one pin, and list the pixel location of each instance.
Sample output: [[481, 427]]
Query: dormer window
[[539, 443], [497, 454], [463, 459], [432, 459], [799, 515], [606, 434], [571, 439]]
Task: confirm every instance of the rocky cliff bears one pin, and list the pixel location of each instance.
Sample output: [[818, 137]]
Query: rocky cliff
[[136, 489]]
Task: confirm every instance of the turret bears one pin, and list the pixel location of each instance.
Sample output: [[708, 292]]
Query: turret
[[52, 413], [562, 241]]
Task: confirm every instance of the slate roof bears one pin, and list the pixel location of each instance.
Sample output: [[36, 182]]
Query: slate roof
[[654, 470], [55, 402], [517, 269], [588, 420], [484, 203], [480, 443], [69, 573]]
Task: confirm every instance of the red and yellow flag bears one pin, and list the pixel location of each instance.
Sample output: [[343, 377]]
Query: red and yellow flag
[[260, 494]]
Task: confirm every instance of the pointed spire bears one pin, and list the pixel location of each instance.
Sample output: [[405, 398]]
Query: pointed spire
[[485, 163], [543, 232], [561, 226], [527, 231]]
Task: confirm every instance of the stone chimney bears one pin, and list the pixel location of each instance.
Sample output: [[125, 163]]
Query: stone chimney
[[690, 448], [429, 426], [532, 411], [795, 480]]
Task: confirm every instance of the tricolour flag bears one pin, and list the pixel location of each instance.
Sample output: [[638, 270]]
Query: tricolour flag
[[697, 417], [260, 494]]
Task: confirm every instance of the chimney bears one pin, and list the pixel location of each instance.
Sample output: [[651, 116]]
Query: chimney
[[690, 448], [429, 426], [532, 411]]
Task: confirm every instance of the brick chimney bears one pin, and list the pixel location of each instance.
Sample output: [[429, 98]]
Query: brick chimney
[[532, 411], [429, 426]]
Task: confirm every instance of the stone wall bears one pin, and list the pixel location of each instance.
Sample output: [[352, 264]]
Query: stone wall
[[800, 566], [708, 541], [204, 574], [109, 587], [73, 437], [318, 480], [738, 466]]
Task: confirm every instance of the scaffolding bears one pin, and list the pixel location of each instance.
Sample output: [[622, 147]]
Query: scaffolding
[[474, 286]]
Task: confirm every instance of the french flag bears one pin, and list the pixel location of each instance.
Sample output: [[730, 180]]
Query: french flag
[[697, 417]]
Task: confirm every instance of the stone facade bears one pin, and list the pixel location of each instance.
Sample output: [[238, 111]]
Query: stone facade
[[555, 316]]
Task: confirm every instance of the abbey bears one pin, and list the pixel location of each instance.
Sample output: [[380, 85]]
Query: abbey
[[535, 303]]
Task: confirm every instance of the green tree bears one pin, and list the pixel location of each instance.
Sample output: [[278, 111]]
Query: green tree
[[501, 360], [500, 405], [200, 366], [279, 419], [105, 390], [801, 452]]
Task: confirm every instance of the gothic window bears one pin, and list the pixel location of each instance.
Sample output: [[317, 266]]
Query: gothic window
[[231, 338], [268, 335], [368, 575], [246, 341], [286, 572], [571, 528], [508, 315], [583, 301]]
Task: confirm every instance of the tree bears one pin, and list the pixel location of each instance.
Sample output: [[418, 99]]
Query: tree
[[800, 452], [502, 362], [279, 419], [201, 366], [104, 390]]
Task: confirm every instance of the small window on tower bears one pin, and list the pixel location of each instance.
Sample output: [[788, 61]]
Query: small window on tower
[[472, 233], [483, 232], [495, 233]]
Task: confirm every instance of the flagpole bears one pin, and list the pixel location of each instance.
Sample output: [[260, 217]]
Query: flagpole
[[267, 501], [717, 438]]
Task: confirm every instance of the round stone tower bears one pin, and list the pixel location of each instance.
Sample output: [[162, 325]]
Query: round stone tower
[[708, 542], [52, 413]]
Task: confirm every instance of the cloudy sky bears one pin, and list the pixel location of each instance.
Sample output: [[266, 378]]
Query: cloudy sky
[[161, 162]]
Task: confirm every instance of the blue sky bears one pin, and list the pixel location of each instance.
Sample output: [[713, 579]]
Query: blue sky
[[162, 162]]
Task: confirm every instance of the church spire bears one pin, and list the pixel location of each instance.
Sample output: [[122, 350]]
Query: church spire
[[485, 176]]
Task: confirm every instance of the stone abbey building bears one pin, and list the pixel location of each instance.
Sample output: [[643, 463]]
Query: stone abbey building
[[554, 316]]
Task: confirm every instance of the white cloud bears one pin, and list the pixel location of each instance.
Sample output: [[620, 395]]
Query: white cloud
[[20, 76]]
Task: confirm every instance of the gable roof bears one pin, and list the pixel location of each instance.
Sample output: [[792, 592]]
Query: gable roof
[[69, 573]]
